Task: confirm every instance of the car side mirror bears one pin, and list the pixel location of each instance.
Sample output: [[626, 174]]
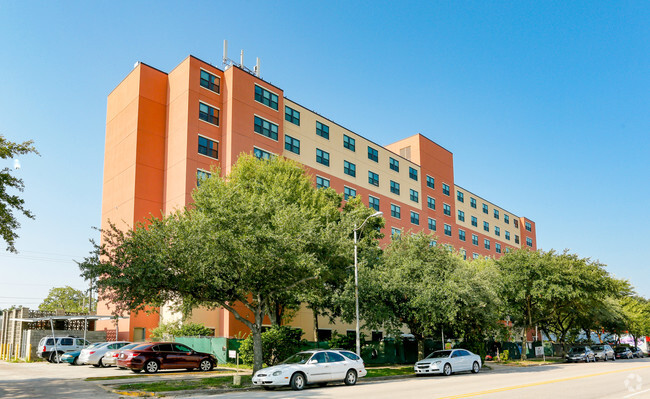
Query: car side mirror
[[314, 361]]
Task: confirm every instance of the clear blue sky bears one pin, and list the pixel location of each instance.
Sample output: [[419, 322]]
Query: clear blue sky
[[544, 104]]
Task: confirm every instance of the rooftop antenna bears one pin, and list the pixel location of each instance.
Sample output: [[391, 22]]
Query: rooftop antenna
[[225, 53], [241, 59], [256, 69]]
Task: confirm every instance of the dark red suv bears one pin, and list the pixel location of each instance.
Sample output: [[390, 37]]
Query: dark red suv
[[154, 356]]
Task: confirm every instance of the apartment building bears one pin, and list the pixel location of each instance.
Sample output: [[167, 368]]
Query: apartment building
[[165, 130]]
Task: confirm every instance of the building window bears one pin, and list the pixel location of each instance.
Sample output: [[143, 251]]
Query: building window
[[349, 192], [261, 154], [486, 226], [394, 164], [291, 115], [395, 211], [431, 203], [529, 241], [506, 219], [474, 221], [266, 128], [446, 209], [322, 157], [474, 239], [349, 142], [516, 223], [516, 239], [507, 250], [415, 197], [208, 147], [291, 144], [322, 182], [529, 227], [323, 130], [415, 218], [209, 81], [445, 189], [208, 114], [200, 176], [394, 231], [461, 216], [475, 255], [373, 154], [431, 182], [507, 235], [349, 168], [266, 97], [461, 235], [413, 173], [472, 202], [497, 247], [464, 253], [460, 196], [496, 214], [485, 209], [432, 224], [497, 231], [394, 187], [447, 230], [373, 178], [486, 243], [373, 202]]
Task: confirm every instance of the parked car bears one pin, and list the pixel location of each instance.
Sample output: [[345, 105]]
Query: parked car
[[448, 361], [637, 352], [51, 348], [71, 357], [155, 356], [623, 352], [95, 355], [603, 352], [580, 354], [312, 367], [110, 357]]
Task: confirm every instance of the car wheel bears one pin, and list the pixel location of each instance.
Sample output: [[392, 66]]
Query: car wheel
[[297, 381], [351, 377], [55, 357], [76, 361], [205, 365], [102, 364], [446, 370], [151, 367], [475, 368]]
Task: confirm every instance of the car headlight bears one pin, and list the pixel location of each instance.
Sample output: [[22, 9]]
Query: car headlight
[[277, 373], [438, 362]]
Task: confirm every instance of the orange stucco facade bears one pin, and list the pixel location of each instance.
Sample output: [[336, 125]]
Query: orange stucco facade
[[162, 129]]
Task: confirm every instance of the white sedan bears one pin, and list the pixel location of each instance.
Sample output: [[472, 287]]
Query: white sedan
[[95, 355], [312, 367], [449, 361]]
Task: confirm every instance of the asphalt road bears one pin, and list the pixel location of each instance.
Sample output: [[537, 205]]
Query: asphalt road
[[625, 379], [622, 379]]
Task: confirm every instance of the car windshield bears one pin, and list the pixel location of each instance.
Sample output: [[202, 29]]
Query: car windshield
[[298, 358], [577, 350], [620, 349], [140, 347], [437, 354], [96, 344], [598, 348], [129, 346]]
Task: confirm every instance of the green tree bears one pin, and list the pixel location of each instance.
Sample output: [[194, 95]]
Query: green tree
[[249, 241], [64, 298], [279, 342], [636, 315], [180, 329], [11, 202]]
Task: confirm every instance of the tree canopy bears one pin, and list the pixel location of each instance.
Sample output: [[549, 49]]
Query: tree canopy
[[64, 298], [12, 202]]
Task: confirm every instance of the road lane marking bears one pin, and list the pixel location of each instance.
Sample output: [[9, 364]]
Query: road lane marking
[[636, 393], [532, 384]]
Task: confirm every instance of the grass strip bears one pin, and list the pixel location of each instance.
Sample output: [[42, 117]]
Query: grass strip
[[180, 385], [388, 371]]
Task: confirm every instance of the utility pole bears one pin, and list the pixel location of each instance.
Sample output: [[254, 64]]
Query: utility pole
[[90, 297]]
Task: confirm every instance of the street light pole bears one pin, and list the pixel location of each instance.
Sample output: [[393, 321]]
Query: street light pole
[[356, 279]]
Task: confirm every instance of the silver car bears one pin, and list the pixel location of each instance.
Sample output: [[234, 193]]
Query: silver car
[[449, 361], [95, 355], [603, 352], [110, 357]]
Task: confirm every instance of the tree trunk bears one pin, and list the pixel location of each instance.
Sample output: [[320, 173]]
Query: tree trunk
[[524, 343], [315, 313], [256, 331]]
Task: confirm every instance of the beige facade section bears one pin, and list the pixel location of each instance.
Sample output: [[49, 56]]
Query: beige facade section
[[481, 217], [310, 141]]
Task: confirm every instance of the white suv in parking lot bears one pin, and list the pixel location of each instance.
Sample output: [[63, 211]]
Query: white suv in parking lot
[[51, 349], [312, 367]]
